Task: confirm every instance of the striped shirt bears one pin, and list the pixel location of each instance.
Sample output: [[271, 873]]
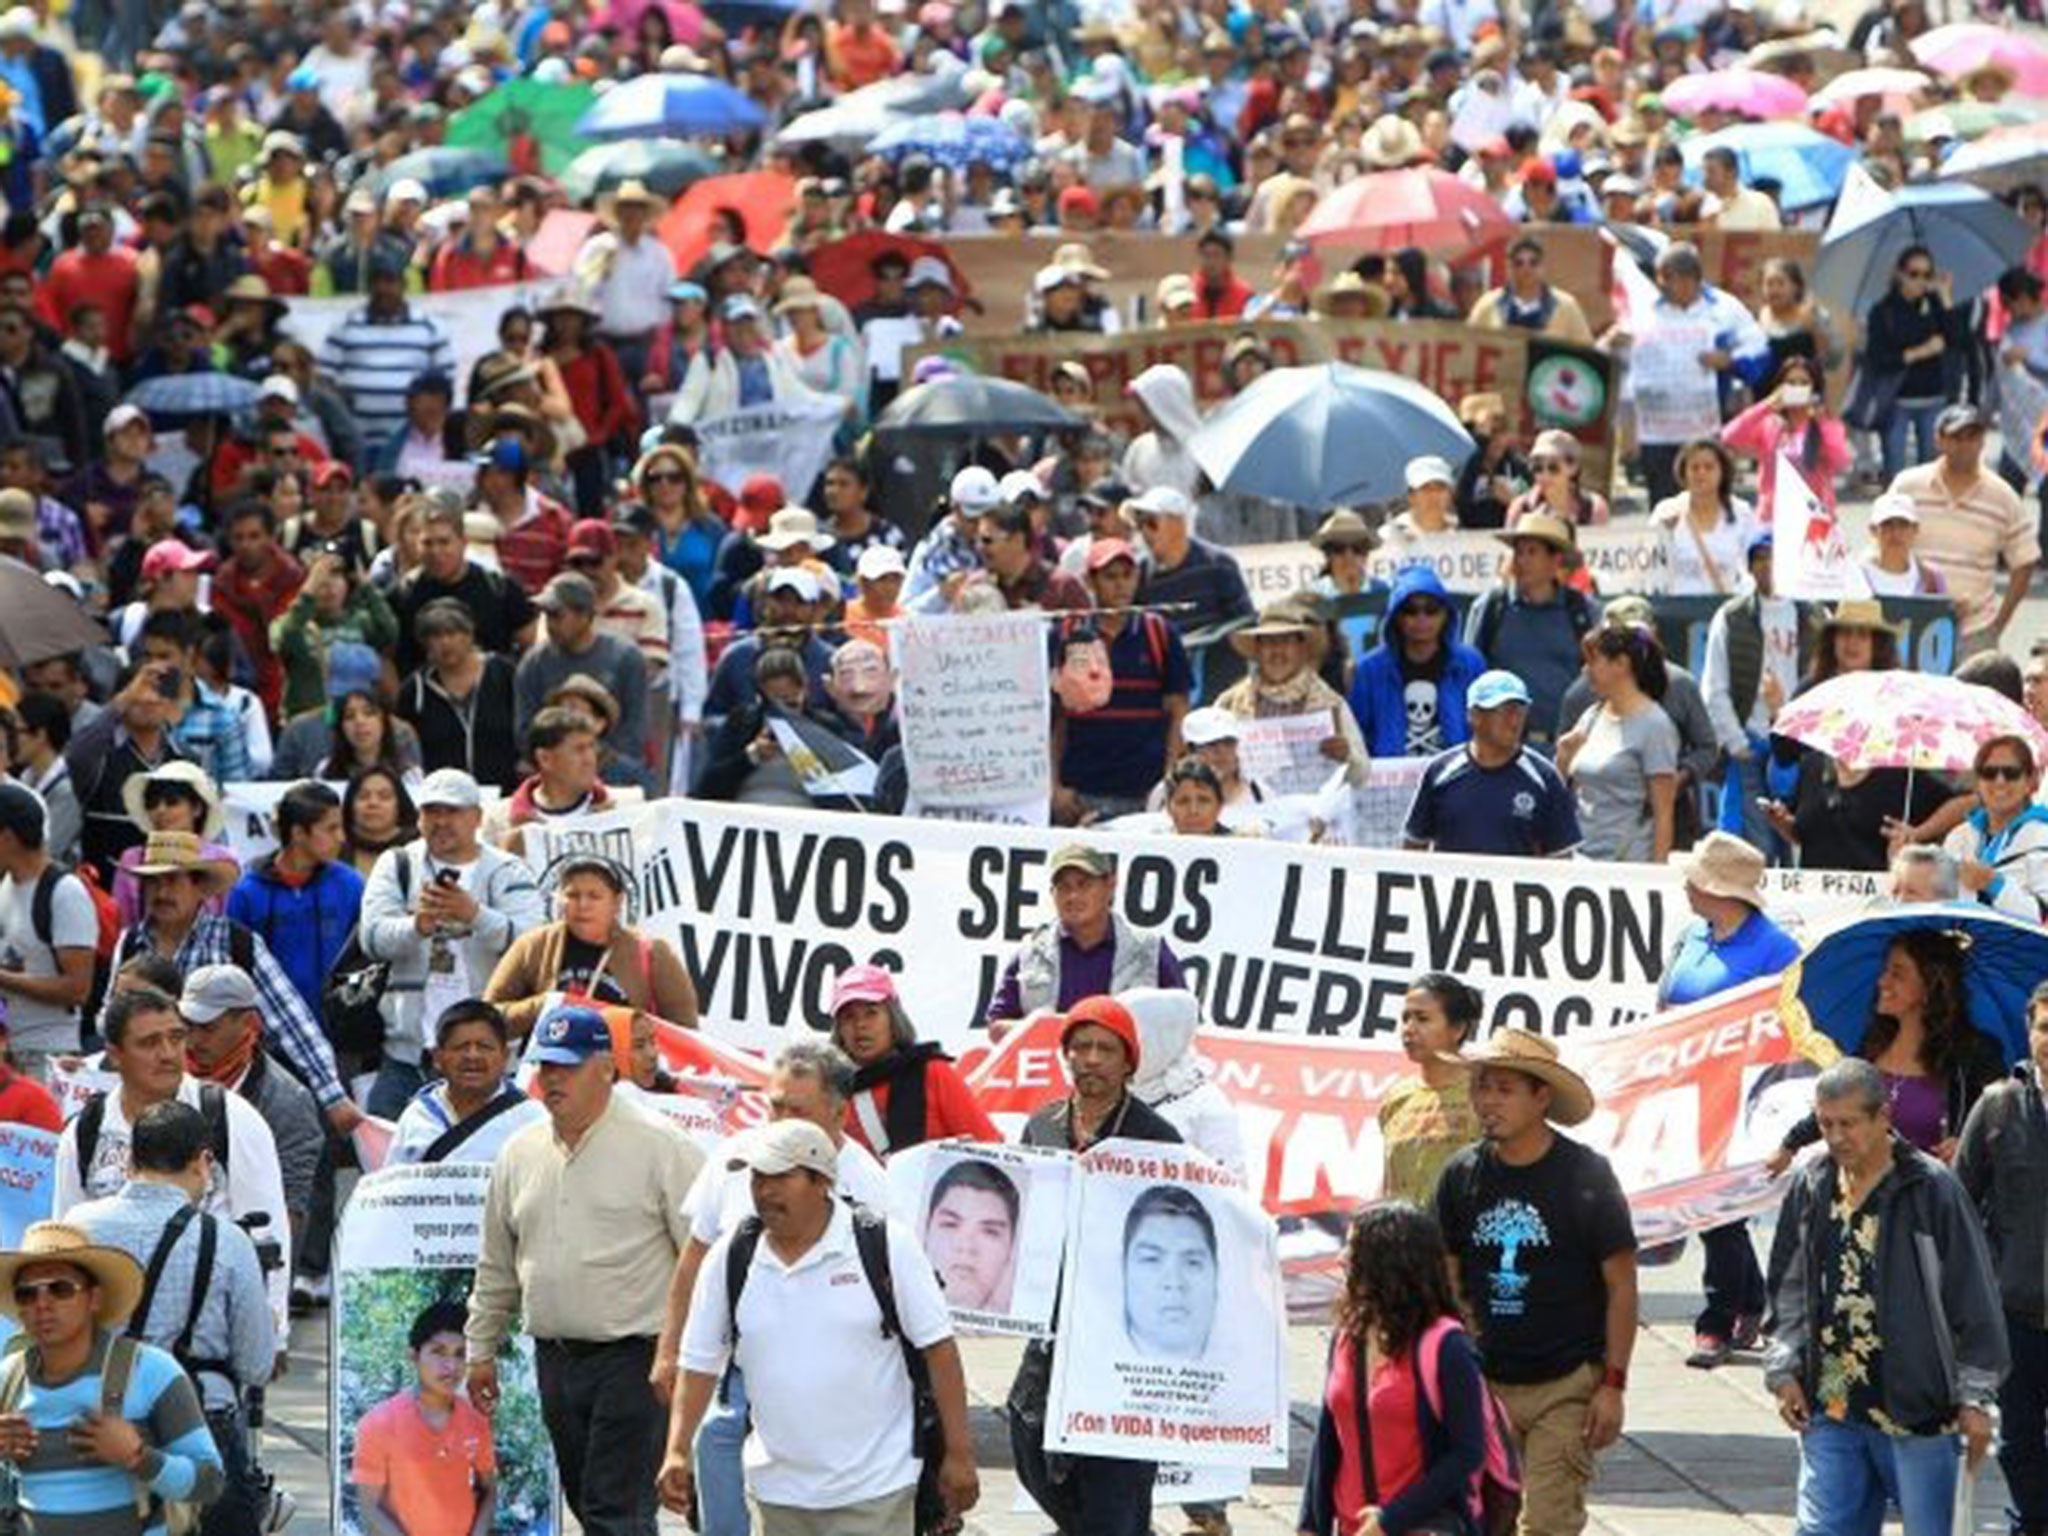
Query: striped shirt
[[1964, 537], [374, 360], [64, 1493], [213, 734]]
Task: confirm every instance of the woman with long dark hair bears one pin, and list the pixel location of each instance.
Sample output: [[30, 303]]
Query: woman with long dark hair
[[1384, 1464], [1705, 530], [1792, 418], [1936, 1064], [1916, 344], [377, 813], [366, 736], [1621, 758]]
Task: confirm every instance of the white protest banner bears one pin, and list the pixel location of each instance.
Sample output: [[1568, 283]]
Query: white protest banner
[[766, 906], [72, 1086], [1809, 555], [1172, 1339], [1285, 752], [1624, 558], [1276, 571], [993, 1221], [789, 439], [1677, 397], [404, 1260], [971, 692], [469, 315], [1379, 807]]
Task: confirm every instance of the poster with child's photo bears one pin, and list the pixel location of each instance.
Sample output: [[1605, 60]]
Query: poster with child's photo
[[1171, 1341], [411, 1454], [993, 1221]]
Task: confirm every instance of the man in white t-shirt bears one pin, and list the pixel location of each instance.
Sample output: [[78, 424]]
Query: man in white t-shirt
[[50, 931], [146, 1047], [811, 1082], [809, 1332]]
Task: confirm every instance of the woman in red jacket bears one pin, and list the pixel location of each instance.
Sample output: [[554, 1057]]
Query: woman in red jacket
[[605, 407], [903, 1092]]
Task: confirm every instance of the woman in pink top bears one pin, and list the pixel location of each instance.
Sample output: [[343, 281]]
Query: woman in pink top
[[1371, 1472], [1793, 416]]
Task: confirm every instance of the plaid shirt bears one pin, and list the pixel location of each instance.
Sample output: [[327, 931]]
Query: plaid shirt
[[60, 535], [286, 1018], [212, 735]]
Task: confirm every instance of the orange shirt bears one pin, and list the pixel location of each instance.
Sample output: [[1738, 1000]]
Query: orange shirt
[[858, 59], [862, 623], [429, 1476]]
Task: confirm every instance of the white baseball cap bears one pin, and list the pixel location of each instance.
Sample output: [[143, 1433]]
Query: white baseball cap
[[794, 578], [878, 561], [406, 190], [974, 490], [1893, 507], [280, 386], [1208, 725], [1164, 501], [1429, 470], [1018, 484]]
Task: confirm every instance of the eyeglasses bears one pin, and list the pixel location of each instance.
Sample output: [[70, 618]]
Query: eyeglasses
[[28, 1293], [2011, 773], [1422, 608], [1545, 466]]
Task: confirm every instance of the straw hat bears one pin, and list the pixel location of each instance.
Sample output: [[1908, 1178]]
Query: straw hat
[[186, 776], [798, 293], [1571, 1098], [180, 853], [1722, 864], [634, 190], [1343, 526], [1282, 618], [582, 686], [251, 289], [793, 526], [1857, 613], [568, 299], [1392, 143], [1543, 527], [117, 1275]]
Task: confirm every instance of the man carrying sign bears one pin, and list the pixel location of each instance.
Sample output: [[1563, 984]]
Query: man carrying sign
[[1085, 1495]]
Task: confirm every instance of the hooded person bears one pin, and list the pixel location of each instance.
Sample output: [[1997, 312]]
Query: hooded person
[[1160, 456], [1174, 1079], [1409, 692]]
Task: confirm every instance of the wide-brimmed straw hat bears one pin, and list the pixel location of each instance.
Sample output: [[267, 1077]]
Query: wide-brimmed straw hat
[[180, 853], [1286, 617], [1722, 864], [1571, 1097], [1857, 613], [1343, 526], [117, 1275], [185, 775]]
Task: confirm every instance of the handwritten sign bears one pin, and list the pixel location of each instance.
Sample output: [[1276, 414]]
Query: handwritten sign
[[1676, 396], [1285, 752], [972, 690]]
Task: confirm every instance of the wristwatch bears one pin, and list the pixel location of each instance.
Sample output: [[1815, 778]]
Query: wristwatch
[[1614, 1376]]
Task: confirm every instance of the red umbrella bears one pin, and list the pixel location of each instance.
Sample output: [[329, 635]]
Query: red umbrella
[[1423, 207], [841, 268], [764, 200], [562, 233]]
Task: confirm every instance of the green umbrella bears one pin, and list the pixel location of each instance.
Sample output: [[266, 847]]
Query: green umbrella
[[667, 166], [1968, 119], [532, 123]]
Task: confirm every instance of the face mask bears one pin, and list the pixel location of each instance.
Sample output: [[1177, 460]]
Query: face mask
[[1796, 394]]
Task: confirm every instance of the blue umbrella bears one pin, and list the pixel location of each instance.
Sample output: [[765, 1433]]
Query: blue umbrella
[[737, 15], [1326, 436], [1973, 237], [194, 394], [954, 141], [1829, 991], [445, 170], [1809, 167], [669, 106]]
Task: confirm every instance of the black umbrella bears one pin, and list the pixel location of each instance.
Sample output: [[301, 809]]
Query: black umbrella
[[37, 621], [973, 405]]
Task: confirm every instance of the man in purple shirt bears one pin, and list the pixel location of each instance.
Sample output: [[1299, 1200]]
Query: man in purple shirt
[[1088, 952]]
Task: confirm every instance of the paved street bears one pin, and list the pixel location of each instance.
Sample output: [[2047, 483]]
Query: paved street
[[1704, 1455]]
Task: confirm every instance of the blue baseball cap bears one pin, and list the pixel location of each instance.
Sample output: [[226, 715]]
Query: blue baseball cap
[[569, 1036], [1490, 690], [503, 453]]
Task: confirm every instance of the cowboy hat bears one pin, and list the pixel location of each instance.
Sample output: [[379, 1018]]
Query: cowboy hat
[[485, 425], [798, 293], [568, 299], [793, 526], [1286, 617], [1343, 526], [634, 190], [1571, 1098], [582, 686], [1543, 528], [500, 372], [189, 776], [1722, 864], [181, 853], [116, 1274], [1391, 144], [1857, 613], [251, 289]]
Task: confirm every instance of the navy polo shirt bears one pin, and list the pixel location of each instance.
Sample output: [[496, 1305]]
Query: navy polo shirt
[[1120, 749], [1522, 808]]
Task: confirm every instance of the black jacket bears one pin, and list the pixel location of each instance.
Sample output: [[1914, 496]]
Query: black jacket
[[1938, 1309], [486, 746], [2003, 1166]]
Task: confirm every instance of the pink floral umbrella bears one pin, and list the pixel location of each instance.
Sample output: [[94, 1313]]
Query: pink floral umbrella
[[1753, 93], [1899, 719]]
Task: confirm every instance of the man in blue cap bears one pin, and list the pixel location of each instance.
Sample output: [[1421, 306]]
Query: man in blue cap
[[1493, 794], [597, 1190]]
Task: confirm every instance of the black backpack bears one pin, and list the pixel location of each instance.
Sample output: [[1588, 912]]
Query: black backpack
[[352, 1000], [928, 1434], [213, 1105]]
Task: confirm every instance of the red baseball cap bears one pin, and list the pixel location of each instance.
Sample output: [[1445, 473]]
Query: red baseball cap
[[592, 536], [762, 494], [1080, 201], [1103, 552], [1104, 1012], [333, 470], [169, 555], [862, 984]]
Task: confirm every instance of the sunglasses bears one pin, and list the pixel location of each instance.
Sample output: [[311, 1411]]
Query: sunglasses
[[662, 477], [28, 1293], [1346, 549], [1544, 466], [154, 795], [1423, 609], [2011, 773]]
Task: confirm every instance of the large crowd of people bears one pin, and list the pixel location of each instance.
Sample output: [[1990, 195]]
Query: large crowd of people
[[282, 527]]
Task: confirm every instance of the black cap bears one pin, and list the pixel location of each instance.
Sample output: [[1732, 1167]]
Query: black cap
[[21, 812], [635, 517], [1109, 492]]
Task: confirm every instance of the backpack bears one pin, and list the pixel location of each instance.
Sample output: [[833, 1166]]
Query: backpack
[[1577, 606], [42, 917], [1497, 1485], [178, 1517], [213, 1105], [352, 1000], [928, 1438], [202, 1284]]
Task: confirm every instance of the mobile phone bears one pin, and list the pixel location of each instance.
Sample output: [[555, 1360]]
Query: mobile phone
[[445, 877], [169, 681]]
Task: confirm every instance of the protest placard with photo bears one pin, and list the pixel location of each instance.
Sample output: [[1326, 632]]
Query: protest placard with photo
[[1171, 1342], [404, 1260], [993, 1221]]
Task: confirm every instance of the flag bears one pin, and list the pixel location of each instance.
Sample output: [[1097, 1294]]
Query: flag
[[831, 769], [1809, 556]]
